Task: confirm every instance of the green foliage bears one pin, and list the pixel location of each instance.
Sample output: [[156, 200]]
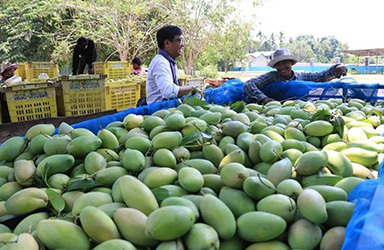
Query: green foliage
[[209, 71]]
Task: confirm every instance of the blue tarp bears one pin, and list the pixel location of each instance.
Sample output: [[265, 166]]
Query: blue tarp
[[365, 229], [232, 91]]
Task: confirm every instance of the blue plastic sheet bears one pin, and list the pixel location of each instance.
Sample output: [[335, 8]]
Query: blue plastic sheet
[[228, 93], [365, 229], [93, 125], [304, 90]]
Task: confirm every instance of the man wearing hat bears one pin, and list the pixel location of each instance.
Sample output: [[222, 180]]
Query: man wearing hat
[[8, 73], [282, 61]]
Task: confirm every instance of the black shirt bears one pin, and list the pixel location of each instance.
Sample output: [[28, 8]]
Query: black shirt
[[89, 54]]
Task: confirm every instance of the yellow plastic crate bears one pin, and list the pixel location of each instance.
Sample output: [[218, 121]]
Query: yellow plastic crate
[[121, 95], [21, 71], [197, 82], [31, 101], [34, 69], [81, 95], [113, 69]]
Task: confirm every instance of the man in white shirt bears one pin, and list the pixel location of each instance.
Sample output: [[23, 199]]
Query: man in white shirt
[[162, 83]]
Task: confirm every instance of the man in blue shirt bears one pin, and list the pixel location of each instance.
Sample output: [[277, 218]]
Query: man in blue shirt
[[162, 82], [282, 61]]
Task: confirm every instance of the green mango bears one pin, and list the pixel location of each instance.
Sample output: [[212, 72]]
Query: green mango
[[55, 164], [98, 225], [94, 199], [26, 201], [38, 129], [216, 214], [82, 145], [312, 206], [29, 223], [169, 223], [12, 148], [60, 234], [237, 201], [57, 145], [260, 226], [303, 234], [115, 244], [202, 236], [94, 162], [137, 195]]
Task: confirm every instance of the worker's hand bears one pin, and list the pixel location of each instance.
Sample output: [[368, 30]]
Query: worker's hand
[[266, 100], [342, 70], [91, 71]]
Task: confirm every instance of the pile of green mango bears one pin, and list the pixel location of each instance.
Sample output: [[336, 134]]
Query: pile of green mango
[[246, 176]]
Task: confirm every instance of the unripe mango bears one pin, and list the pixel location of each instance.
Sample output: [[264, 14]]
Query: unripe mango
[[304, 234], [362, 156], [29, 223], [36, 145], [318, 128], [55, 164], [108, 176], [279, 171], [24, 172], [58, 181], [138, 143], [46, 129], [202, 236], [270, 245], [164, 158], [237, 201], [137, 195], [280, 205], [12, 148], [260, 226], [94, 199], [70, 198], [290, 187], [57, 145], [82, 145], [271, 151], [311, 162], [60, 234], [169, 223], [333, 238], [94, 162], [339, 213], [133, 160], [115, 244], [98, 225], [216, 214], [26, 200], [179, 201], [213, 153], [167, 140], [190, 179], [312, 206], [330, 193], [233, 175], [109, 140], [258, 187], [133, 121]]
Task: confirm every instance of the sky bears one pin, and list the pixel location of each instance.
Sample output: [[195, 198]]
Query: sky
[[360, 24]]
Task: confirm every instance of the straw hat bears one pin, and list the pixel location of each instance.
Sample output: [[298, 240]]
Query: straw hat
[[281, 55], [10, 67]]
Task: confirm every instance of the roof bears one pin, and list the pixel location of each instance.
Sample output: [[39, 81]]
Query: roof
[[365, 52], [259, 53]]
